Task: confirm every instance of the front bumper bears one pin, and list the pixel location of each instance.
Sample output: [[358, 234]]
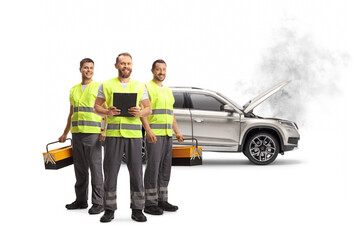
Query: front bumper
[[293, 141]]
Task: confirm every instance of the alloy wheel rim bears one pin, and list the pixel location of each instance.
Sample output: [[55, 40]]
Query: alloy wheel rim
[[262, 148]]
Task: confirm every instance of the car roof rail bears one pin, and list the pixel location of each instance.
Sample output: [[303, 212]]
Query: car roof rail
[[186, 87]]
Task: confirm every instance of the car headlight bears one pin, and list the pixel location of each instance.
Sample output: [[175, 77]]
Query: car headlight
[[288, 124]]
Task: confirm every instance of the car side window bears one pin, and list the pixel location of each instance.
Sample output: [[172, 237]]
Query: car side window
[[206, 102], [179, 100]]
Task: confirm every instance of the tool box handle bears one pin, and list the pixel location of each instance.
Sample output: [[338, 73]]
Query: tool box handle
[[196, 150], [196, 141], [56, 142]]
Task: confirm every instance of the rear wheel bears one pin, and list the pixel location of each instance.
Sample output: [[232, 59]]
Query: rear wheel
[[262, 148]]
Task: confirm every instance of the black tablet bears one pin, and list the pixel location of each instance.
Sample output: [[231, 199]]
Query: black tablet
[[124, 101]]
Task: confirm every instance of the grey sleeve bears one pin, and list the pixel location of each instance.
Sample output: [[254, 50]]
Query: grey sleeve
[[101, 92], [145, 94]]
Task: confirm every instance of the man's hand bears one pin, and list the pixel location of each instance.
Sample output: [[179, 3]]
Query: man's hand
[[135, 111], [179, 137], [102, 136], [113, 111], [62, 138], [151, 137]]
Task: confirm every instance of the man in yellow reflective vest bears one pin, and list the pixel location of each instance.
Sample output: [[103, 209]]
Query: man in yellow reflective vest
[[159, 128], [123, 135], [85, 127]]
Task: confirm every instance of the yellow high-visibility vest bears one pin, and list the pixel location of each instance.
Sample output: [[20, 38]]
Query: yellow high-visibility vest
[[162, 103], [127, 127], [83, 119]]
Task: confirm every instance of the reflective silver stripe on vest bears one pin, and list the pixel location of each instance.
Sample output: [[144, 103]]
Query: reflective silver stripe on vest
[[83, 109], [124, 126], [130, 126], [162, 111], [161, 126], [113, 126], [86, 123]]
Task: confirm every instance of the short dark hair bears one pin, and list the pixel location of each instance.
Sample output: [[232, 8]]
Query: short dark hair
[[85, 60], [123, 54], [157, 61]]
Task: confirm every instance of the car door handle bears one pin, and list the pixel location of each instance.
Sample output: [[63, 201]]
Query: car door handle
[[198, 120], [236, 120]]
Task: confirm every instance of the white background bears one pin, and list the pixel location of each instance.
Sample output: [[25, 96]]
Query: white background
[[238, 48]]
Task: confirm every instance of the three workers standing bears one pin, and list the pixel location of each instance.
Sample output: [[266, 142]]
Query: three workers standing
[[123, 136]]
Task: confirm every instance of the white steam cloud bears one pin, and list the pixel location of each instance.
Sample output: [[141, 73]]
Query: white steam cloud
[[313, 71]]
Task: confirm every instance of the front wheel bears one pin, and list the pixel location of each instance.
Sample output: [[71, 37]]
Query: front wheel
[[262, 148]]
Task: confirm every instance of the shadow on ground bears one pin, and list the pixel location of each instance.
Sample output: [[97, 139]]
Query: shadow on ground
[[244, 162]]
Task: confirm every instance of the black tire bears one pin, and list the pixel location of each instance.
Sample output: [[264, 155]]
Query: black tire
[[262, 148]]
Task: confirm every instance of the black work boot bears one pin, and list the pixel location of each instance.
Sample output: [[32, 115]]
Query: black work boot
[[108, 216], [77, 205], [164, 205], [138, 215], [96, 209], [153, 210]]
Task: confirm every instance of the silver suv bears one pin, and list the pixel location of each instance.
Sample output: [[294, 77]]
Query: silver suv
[[219, 124]]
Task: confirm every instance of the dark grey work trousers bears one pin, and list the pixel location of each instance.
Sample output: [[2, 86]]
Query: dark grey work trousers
[[158, 170], [115, 147], [87, 154]]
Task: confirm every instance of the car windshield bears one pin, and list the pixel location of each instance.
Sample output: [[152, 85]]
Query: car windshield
[[231, 101]]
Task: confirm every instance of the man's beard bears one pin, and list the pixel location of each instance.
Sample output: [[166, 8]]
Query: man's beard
[[125, 75], [158, 78]]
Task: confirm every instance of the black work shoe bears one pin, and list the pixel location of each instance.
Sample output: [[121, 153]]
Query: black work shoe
[[164, 205], [96, 209], [138, 215], [108, 216], [153, 210], [77, 205]]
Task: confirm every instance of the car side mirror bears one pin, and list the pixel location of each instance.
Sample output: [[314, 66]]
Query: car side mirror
[[228, 108]]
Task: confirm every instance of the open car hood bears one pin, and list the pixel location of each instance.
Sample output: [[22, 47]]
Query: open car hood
[[249, 106]]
